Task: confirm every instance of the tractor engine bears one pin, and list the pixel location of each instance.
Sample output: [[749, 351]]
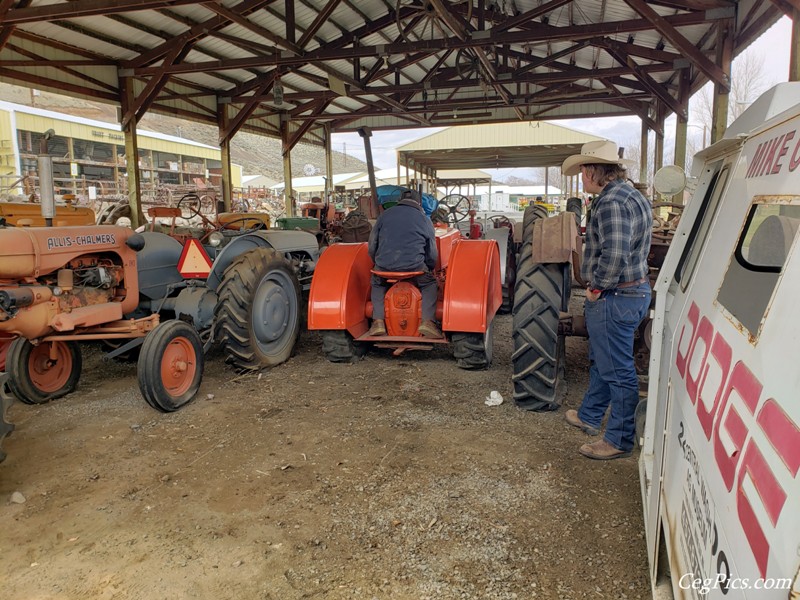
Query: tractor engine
[[65, 278]]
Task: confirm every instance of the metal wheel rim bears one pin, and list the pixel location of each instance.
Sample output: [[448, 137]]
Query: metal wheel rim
[[274, 310], [50, 376], [178, 366]]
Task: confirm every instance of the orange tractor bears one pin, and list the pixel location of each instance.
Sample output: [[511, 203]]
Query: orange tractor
[[469, 295]]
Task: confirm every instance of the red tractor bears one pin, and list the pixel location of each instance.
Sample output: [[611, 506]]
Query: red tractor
[[469, 281]]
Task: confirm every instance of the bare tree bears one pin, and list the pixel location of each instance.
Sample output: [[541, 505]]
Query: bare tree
[[748, 81]]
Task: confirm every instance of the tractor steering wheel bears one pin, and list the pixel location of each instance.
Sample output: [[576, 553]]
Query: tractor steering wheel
[[191, 203], [456, 205]]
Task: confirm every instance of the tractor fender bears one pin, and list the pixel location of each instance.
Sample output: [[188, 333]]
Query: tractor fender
[[157, 264], [289, 243], [340, 289], [472, 290]]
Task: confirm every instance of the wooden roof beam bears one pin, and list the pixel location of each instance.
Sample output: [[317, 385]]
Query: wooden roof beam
[[323, 15], [197, 31], [84, 8], [5, 8], [713, 71], [244, 113], [788, 7], [138, 107], [653, 86]]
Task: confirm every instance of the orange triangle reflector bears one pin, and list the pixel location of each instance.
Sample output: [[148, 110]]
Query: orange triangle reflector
[[194, 261]]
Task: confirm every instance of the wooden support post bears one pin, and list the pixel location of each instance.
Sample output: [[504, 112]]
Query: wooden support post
[[328, 162], [643, 151], [658, 150], [365, 134], [288, 199], [680, 143], [794, 56], [225, 150], [719, 116], [127, 98]]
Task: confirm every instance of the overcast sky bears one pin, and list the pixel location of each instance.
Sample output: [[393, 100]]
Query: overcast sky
[[773, 46]]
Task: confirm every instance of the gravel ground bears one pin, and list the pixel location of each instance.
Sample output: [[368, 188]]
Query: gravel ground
[[387, 479]]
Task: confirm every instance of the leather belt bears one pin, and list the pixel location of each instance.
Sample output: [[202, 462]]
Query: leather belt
[[631, 283]]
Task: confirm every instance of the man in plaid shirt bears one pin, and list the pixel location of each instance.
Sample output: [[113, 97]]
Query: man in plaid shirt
[[617, 299]]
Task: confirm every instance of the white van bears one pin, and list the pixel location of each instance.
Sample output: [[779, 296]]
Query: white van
[[721, 448]]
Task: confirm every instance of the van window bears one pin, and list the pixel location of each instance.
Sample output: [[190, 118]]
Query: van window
[[758, 260], [699, 232]]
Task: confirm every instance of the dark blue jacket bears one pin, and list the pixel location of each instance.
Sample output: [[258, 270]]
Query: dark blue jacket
[[403, 239]]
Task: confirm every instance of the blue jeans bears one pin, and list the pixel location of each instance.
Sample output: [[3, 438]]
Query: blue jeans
[[612, 321]]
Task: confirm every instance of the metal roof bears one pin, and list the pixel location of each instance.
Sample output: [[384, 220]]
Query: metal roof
[[503, 145], [383, 64]]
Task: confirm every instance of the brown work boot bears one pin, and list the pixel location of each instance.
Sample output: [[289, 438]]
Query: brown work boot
[[602, 450], [429, 329], [378, 328], [573, 419]]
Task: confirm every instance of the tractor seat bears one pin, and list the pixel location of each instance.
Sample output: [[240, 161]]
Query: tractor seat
[[395, 276]]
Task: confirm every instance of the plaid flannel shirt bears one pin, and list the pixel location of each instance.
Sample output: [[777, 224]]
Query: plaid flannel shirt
[[617, 237]]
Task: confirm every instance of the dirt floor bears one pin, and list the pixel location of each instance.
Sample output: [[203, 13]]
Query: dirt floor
[[387, 479]]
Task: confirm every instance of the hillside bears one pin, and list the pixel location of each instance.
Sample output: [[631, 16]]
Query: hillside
[[258, 155]]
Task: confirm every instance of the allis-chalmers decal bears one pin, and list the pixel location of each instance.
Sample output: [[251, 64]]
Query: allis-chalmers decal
[[68, 241], [723, 419]]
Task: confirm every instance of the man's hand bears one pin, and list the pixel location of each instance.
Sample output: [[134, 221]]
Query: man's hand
[[593, 295]]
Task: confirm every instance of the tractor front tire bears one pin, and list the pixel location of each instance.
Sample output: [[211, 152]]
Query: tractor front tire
[[38, 378], [170, 366], [338, 346], [542, 292], [257, 318], [473, 351]]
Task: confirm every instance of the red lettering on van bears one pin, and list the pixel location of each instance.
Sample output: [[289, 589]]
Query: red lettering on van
[[736, 432], [760, 151], [783, 434], [704, 334], [771, 495], [765, 168], [795, 161], [784, 149], [721, 353], [692, 318], [744, 383]]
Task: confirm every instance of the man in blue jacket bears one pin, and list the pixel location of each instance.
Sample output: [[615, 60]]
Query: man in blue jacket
[[403, 239]]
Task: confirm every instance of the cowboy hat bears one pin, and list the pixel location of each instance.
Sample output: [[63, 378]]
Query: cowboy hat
[[592, 153]]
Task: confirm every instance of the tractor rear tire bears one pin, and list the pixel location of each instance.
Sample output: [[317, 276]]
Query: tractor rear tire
[[542, 292], [257, 318], [170, 366], [38, 379], [473, 351], [339, 347], [533, 212]]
